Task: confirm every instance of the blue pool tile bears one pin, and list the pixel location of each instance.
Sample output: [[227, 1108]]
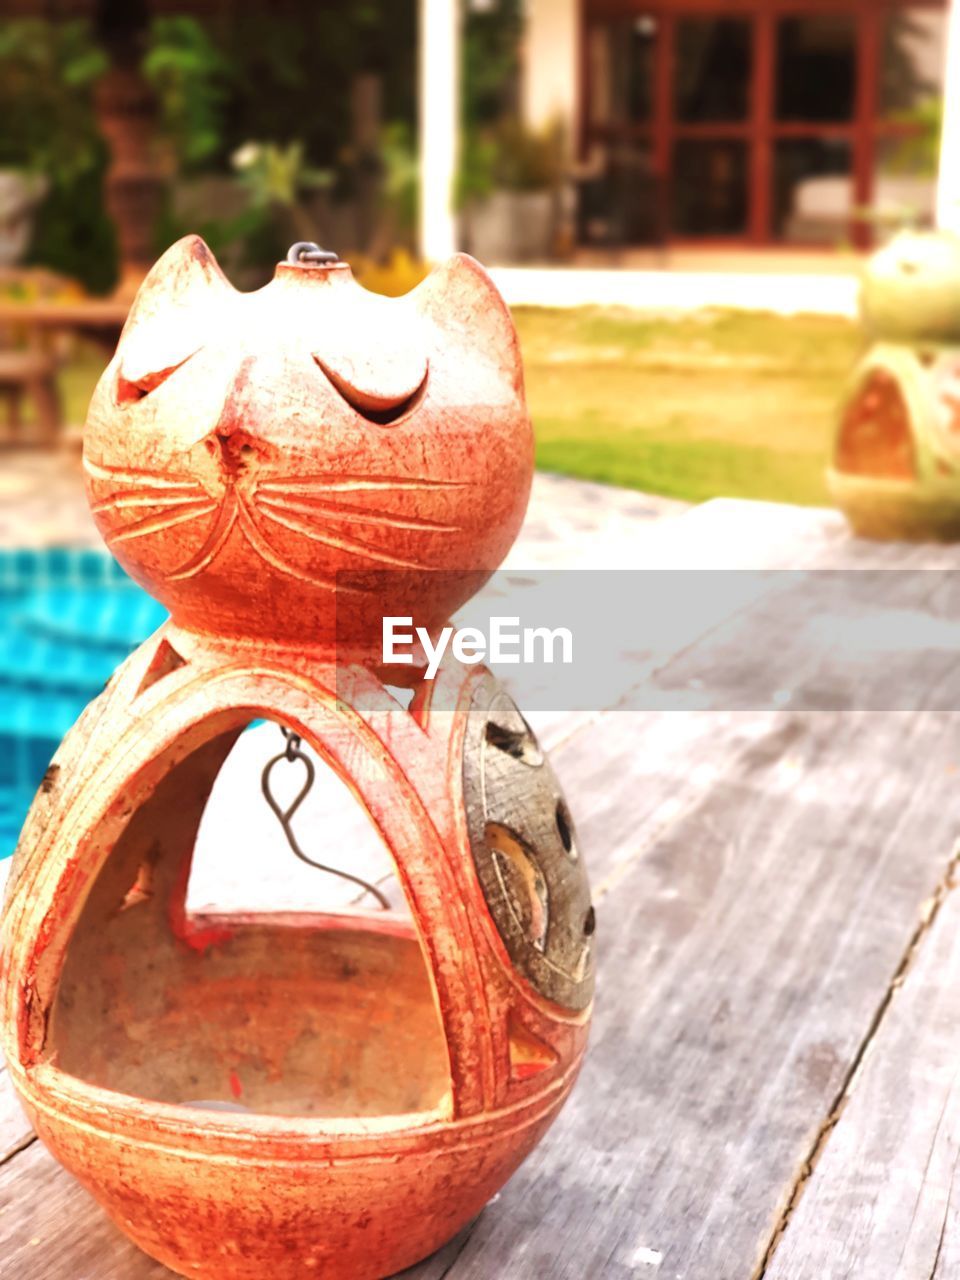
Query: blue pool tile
[[68, 618]]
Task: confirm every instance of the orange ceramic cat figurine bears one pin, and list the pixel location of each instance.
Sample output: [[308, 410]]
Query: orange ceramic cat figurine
[[263, 463], [241, 449]]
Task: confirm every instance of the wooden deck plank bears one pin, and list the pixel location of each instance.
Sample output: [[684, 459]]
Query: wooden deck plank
[[15, 1130], [863, 641], [50, 1228], [884, 1198], [754, 902]]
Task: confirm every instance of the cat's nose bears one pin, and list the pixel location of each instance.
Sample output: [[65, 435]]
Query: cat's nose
[[229, 441], [234, 448]]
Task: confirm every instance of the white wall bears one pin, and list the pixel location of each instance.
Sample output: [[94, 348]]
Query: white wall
[[550, 63], [948, 195]]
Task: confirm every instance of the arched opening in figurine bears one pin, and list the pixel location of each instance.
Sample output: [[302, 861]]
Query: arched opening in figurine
[[180, 985], [875, 438], [270, 810]]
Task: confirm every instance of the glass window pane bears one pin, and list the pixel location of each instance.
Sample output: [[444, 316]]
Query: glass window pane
[[812, 191], [816, 68], [709, 187], [713, 70], [619, 202], [912, 65], [621, 70]]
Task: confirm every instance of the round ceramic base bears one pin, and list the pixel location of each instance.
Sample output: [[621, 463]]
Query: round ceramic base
[[894, 510], [215, 1195], [253, 1096], [269, 1095]]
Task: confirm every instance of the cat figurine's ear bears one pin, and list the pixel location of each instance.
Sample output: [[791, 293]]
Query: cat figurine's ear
[[460, 298], [172, 313]]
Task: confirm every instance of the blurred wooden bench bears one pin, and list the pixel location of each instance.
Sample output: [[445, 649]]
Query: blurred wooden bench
[[30, 373], [29, 359], [37, 332]]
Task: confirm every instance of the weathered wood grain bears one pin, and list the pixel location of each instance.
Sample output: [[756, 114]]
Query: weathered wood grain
[[730, 533], [884, 1198], [825, 640], [758, 880], [50, 1228], [15, 1130]]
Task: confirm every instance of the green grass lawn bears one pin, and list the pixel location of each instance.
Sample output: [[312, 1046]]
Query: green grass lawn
[[694, 407], [713, 404]]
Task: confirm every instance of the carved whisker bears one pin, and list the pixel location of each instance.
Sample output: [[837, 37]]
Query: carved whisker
[[121, 502], [341, 483], [354, 545], [135, 475], [260, 544], [336, 511], [215, 541], [159, 523]]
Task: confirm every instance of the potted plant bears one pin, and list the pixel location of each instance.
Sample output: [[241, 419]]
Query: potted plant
[[50, 153], [511, 181]]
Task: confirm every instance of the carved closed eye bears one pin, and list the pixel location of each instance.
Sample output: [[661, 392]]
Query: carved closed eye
[[133, 385], [380, 374]]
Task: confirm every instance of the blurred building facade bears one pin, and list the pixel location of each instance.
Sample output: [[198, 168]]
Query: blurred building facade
[[549, 130], [740, 122]]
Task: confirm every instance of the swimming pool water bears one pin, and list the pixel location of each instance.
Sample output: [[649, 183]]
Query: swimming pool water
[[68, 617]]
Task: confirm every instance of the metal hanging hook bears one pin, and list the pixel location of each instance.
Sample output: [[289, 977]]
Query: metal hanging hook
[[309, 252], [293, 752]]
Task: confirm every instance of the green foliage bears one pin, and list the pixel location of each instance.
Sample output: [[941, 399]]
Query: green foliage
[[47, 71], [401, 172], [491, 63], [694, 406], [284, 76], [498, 151], [918, 153], [527, 159], [509, 157], [275, 174], [188, 74], [221, 234], [289, 72], [47, 126], [275, 177], [911, 97], [476, 178], [72, 233]]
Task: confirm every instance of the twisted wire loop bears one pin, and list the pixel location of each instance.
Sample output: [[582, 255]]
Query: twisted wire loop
[[291, 753], [309, 251]]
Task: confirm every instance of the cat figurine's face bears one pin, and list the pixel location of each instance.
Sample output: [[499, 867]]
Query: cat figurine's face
[[243, 450]]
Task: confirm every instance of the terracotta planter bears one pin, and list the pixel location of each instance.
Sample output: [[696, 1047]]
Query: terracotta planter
[[392, 1070], [513, 226]]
